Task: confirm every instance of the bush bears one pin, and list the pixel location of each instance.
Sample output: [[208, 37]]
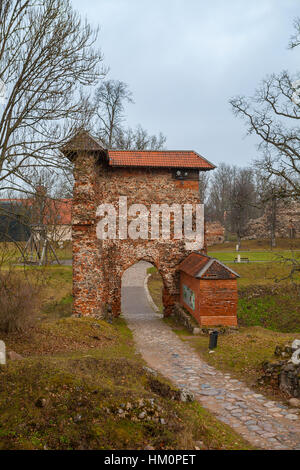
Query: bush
[[19, 300]]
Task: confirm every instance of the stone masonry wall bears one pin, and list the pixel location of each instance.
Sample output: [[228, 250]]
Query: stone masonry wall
[[288, 214], [100, 264], [215, 233]]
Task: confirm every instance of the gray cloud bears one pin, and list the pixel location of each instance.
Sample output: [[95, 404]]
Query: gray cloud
[[184, 59]]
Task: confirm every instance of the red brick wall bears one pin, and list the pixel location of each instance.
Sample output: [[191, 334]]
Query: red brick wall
[[218, 302], [187, 184], [99, 264], [215, 300]]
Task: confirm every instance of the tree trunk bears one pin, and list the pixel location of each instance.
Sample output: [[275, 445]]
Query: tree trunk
[[239, 238], [273, 222]]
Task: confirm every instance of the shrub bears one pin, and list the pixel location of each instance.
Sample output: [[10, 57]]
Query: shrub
[[19, 300]]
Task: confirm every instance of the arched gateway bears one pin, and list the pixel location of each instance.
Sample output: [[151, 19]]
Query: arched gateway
[[121, 179]]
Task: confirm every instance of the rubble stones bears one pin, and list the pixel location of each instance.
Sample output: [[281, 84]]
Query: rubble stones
[[150, 371], [282, 374], [141, 410], [289, 380], [186, 395], [13, 356], [295, 402], [41, 402]]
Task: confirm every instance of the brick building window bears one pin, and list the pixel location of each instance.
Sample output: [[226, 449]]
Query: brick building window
[[185, 174]]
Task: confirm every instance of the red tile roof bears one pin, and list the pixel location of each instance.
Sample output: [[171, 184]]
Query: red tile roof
[[193, 263], [201, 266], [161, 158], [136, 158]]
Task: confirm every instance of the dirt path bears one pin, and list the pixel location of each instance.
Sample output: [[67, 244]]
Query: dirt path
[[263, 423]]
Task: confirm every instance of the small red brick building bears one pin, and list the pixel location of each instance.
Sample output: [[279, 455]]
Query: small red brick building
[[208, 290]]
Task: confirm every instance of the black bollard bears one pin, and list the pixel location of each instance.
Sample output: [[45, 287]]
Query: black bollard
[[213, 339]]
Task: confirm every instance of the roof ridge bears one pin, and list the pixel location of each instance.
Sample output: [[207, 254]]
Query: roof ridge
[[159, 158], [155, 151], [201, 254]]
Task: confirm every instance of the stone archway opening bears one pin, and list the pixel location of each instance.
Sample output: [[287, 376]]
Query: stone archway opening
[[136, 299]]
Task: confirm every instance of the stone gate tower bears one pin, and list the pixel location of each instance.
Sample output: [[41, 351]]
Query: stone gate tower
[[143, 177]]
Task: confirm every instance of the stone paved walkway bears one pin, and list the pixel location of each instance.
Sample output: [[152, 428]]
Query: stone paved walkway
[[265, 424]]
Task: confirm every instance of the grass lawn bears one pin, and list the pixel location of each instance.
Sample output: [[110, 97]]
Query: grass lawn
[[257, 245], [82, 385], [273, 307], [257, 251]]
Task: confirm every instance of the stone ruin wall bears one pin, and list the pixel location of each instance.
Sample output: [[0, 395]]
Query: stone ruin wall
[[99, 264], [287, 213], [215, 233]]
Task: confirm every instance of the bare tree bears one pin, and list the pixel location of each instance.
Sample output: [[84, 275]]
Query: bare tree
[[242, 202], [139, 139], [47, 60], [295, 38], [109, 107], [203, 185], [232, 198], [110, 99], [271, 194], [219, 193], [273, 114]]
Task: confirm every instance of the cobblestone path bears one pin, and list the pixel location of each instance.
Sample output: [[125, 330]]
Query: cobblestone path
[[265, 424]]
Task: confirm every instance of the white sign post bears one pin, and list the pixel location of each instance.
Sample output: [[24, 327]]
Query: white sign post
[[2, 353]]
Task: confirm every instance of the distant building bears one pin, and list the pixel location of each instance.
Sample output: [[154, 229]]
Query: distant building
[[13, 221], [18, 215]]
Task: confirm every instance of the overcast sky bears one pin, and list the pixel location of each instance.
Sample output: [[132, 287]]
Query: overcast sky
[[184, 59]]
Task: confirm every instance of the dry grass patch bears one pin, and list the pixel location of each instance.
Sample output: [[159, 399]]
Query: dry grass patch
[[61, 336], [73, 400], [19, 302], [77, 374]]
